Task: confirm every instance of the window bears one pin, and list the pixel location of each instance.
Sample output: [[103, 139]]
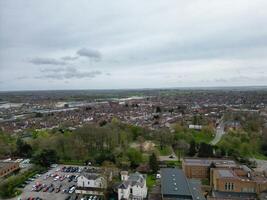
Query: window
[[225, 186], [229, 186], [232, 186]]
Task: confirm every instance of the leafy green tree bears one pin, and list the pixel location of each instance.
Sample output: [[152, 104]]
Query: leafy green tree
[[45, 158], [23, 149], [205, 150], [153, 163], [192, 149], [135, 157]]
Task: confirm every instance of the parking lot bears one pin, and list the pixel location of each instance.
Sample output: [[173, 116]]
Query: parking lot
[[58, 184]]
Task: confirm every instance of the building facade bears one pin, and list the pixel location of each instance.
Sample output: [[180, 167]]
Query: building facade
[[237, 180], [133, 187], [7, 167], [94, 184], [199, 168]]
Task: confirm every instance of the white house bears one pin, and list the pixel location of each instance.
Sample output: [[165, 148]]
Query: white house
[[196, 127], [94, 184], [133, 187]]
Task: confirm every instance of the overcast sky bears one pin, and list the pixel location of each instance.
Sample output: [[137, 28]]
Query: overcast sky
[[103, 44]]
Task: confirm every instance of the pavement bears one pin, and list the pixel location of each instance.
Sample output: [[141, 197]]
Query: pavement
[[171, 157], [155, 193], [219, 133]]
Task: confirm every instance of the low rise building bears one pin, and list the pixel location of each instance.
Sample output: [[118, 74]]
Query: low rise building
[[133, 186], [7, 167], [91, 183], [199, 167], [237, 180], [175, 186]]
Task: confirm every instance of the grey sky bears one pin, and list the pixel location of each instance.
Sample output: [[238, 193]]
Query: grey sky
[[99, 44]]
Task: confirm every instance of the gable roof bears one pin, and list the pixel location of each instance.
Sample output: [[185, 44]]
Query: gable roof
[[134, 179]]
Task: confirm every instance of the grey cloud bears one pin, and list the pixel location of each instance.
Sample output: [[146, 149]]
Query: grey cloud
[[67, 73], [69, 58], [44, 70], [47, 61], [90, 53]]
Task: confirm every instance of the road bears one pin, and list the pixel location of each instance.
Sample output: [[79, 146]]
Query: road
[[219, 133]]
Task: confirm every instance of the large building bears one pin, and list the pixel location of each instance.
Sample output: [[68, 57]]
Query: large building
[[199, 168], [175, 186], [239, 180], [7, 167], [132, 187]]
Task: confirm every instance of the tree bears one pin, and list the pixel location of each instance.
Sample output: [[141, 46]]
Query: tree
[[205, 150], [23, 149], [135, 157], [181, 147], [158, 109], [45, 158], [192, 149], [153, 163]]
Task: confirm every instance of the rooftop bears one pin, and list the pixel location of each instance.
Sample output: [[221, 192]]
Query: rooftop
[[225, 173], [5, 163], [207, 162], [174, 185]]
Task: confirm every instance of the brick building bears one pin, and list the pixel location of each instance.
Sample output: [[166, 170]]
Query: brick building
[[237, 180], [7, 167], [199, 168]]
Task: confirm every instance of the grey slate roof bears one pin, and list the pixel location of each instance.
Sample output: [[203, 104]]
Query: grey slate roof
[[90, 176], [174, 183], [133, 179]]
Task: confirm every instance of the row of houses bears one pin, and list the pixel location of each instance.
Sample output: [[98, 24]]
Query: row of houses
[[94, 182]]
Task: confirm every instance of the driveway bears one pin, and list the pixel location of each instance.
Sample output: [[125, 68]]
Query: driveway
[[219, 133]]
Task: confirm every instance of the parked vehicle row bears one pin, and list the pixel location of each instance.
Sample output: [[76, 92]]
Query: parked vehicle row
[[91, 198], [71, 169]]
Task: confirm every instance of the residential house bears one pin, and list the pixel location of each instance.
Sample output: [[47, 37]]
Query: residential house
[[91, 183], [133, 187]]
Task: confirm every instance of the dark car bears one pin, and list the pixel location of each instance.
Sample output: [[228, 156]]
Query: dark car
[[51, 189]]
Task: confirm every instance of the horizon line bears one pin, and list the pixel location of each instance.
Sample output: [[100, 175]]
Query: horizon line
[[145, 88]]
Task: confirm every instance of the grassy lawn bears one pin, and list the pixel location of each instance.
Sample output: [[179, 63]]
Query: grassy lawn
[[72, 162], [260, 156], [174, 164], [165, 151], [205, 181], [202, 137], [150, 181]]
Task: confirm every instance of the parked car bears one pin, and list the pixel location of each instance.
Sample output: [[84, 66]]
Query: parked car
[[72, 190]]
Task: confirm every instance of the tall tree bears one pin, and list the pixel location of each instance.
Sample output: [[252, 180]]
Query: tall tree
[[153, 163], [23, 149], [45, 158], [192, 149], [205, 150]]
